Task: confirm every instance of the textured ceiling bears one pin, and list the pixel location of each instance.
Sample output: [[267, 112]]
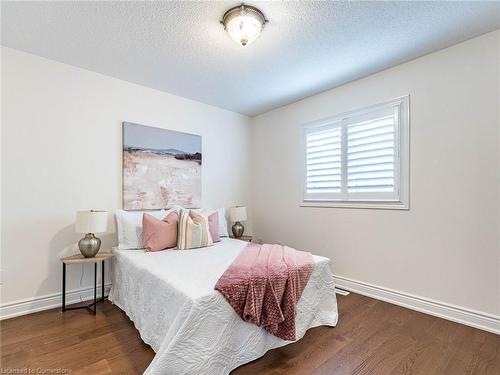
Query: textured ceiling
[[180, 47]]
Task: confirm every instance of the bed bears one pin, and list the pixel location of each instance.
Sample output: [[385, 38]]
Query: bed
[[170, 297]]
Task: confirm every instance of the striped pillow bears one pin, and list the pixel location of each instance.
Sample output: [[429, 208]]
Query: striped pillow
[[193, 230]]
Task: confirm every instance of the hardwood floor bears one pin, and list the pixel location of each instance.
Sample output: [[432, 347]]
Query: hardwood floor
[[372, 337]]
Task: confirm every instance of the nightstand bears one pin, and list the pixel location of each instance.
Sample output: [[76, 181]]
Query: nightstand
[[80, 259], [243, 238]]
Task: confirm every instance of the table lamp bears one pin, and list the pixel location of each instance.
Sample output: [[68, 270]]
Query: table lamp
[[90, 222], [237, 214]]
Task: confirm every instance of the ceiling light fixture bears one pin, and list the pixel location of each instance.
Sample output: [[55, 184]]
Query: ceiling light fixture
[[244, 23]]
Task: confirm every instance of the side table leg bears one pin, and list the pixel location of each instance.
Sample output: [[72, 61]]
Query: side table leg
[[102, 280], [64, 288], [95, 288]]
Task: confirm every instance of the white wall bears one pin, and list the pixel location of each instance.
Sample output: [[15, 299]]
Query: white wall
[[447, 246], [61, 151]]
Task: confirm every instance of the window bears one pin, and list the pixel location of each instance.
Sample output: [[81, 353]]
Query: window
[[359, 158]]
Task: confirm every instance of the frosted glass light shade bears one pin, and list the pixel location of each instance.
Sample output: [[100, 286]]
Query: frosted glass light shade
[[244, 29], [91, 221], [244, 23], [237, 214]]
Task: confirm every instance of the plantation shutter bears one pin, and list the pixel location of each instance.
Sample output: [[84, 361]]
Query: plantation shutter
[[355, 157], [323, 161], [371, 155]]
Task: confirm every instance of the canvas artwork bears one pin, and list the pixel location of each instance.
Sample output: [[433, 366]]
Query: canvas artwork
[[161, 168]]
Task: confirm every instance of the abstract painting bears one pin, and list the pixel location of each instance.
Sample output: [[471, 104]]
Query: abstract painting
[[161, 168]]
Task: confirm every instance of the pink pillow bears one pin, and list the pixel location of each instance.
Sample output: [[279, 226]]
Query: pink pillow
[[213, 226], [159, 234]]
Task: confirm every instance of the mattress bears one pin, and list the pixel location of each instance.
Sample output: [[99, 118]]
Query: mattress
[[170, 297]]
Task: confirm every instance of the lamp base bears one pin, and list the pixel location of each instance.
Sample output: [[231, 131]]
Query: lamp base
[[89, 245], [238, 229]]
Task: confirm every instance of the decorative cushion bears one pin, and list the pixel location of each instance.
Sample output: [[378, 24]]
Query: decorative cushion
[[213, 226], [193, 230], [159, 234], [222, 219], [129, 226]]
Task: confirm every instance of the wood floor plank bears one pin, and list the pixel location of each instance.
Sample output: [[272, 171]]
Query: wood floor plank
[[376, 328], [477, 354], [97, 368], [372, 337]]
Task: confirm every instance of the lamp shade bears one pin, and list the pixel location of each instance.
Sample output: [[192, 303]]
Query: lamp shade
[[91, 221], [237, 214]]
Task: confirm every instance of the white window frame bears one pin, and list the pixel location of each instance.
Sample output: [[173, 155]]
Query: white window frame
[[399, 199]]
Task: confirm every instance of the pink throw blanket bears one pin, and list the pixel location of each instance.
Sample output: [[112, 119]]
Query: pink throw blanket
[[264, 284]]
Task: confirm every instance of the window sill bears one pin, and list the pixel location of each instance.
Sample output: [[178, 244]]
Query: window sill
[[357, 204]]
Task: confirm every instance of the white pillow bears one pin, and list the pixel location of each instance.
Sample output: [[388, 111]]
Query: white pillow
[[222, 219], [129, 225], [222, 222]]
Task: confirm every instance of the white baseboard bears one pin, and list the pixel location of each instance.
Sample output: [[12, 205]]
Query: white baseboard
[[50, 301], [476, 319]]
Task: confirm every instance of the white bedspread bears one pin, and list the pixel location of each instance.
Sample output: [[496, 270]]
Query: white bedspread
[[170, 297]]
